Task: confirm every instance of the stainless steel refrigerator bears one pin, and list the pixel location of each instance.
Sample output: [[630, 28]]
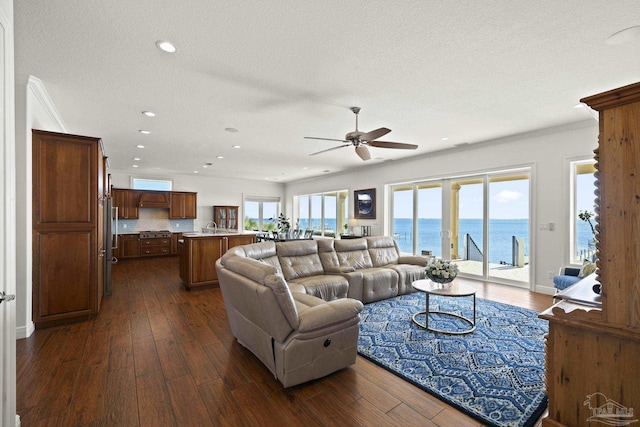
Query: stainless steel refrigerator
[[111, 241]]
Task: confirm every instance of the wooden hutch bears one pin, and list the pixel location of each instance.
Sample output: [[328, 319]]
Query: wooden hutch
[[593, 353]]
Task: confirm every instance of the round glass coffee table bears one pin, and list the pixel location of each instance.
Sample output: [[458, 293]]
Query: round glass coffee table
[[454, 290]]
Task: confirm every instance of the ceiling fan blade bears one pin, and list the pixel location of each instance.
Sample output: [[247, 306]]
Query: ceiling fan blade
[[326, 139], [374, 134], [387, 144], [328, 149], [363, 152]]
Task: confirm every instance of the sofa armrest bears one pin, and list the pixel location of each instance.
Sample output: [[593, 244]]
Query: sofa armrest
[[329, 313], [339, 269], [413, 259]]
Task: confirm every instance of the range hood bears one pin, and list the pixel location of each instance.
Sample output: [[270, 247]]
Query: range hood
[[154, 199]]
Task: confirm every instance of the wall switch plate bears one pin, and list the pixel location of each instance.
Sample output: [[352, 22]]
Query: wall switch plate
[[124, 225], [177, 225]]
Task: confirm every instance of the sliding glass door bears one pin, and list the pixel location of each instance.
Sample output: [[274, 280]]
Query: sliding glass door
[[467, 225], [508, 227], [480, 222]]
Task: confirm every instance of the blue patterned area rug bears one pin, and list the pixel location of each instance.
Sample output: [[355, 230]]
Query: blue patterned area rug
[[494, 374]]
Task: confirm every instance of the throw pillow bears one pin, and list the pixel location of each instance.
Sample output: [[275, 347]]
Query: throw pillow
[[587, 268]]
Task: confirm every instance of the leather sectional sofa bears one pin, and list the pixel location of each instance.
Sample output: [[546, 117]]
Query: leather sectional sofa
[[296, 304]]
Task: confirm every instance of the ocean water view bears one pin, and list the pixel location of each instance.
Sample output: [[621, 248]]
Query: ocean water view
[[500, 232]]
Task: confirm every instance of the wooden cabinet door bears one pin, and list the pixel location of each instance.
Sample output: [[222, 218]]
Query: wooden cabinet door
[[127, 202], [119, 201], [183, 205], [66, 222], [129, 246], [176, 208], [174, 242], [190, 205], [240, 240], [204, 253], [226, 217]]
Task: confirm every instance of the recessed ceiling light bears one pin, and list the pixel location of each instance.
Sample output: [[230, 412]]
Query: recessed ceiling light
[[134, 166], [149, 113], [235, 146], [219, 157], [305, 168], [623, 36], [232, 130], [137, 159], [140, 146], [205, 166], [145, 132], [195, 171], [444, 139], [166, 46]]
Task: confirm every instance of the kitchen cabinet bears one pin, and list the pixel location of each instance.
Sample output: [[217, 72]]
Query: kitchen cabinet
[[226, 217], [174, 242], [67, 226], [128, 246], [183, 205], [127, 202], [198, 256], [155, 246]]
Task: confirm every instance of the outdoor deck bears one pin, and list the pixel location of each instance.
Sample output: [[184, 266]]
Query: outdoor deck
[[507, 272]]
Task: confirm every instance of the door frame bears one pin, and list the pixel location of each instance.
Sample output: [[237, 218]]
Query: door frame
[[7, 221]]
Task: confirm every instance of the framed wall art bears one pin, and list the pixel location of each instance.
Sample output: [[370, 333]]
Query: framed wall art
[[364, 202]]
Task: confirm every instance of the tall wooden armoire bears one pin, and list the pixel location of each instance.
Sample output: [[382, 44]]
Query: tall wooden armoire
[[593, 354], [68, 227]]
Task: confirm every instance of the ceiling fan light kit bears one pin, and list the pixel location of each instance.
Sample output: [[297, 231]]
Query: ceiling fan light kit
[[362, 140]]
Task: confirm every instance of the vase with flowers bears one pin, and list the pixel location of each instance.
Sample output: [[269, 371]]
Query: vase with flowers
[[441, 271]]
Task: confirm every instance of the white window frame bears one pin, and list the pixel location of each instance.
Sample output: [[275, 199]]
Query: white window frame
[[260, 200], [574, 256], [135, 180]]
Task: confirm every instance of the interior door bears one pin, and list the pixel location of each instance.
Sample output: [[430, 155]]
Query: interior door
[[7, 224]]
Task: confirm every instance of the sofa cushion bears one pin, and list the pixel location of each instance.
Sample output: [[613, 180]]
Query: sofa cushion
[[299, 259], [353, 253], [407, 274], [383, 250], [326, 286], [563, 282]]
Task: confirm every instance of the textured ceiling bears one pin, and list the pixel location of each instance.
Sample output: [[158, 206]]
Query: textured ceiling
[[277, 71]]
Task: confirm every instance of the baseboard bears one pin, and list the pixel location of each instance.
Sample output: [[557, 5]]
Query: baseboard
[[25, 331], [547, 290], [17, 420]]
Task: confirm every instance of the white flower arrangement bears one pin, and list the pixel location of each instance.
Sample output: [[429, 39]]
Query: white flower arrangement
[[441, 271]]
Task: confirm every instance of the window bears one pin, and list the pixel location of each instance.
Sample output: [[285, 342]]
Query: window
[[151, 184], [324, 213], [583, 186], [259, 213]]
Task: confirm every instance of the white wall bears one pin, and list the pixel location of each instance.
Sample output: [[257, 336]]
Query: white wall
[[548, 152], [211, 191], [34, 110]]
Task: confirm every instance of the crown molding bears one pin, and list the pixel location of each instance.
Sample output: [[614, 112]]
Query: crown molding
[[38, 89]]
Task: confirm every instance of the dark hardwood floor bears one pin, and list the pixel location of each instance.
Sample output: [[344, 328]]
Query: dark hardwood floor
[[157, 355]]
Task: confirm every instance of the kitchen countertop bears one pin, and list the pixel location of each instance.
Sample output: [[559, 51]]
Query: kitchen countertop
[[220, 233]]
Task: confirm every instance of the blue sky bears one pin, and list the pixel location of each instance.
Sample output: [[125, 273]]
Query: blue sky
[[507, 200]]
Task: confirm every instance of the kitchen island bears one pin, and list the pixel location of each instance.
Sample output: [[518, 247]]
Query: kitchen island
[[199, 252]]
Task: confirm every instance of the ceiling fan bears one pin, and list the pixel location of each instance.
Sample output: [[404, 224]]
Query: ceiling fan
[[362, 140]]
